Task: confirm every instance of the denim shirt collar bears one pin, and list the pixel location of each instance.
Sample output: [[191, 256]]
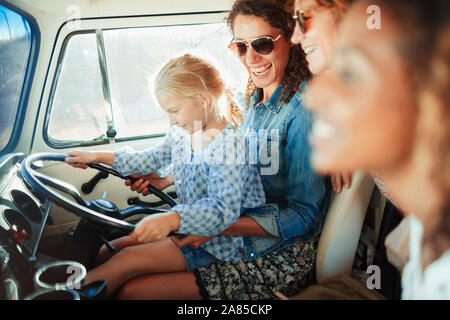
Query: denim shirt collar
[[271, 103]]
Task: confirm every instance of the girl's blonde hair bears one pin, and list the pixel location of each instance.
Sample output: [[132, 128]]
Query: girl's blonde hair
[[189, 76]]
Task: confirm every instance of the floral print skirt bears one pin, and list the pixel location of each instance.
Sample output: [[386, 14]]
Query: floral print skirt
[[286, 271]]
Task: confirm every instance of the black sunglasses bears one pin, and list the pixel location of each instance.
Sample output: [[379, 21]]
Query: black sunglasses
[[300, 18], [261, 45]]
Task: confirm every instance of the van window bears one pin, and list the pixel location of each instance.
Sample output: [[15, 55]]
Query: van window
[[83, 106], [78, 111], [15, 46]]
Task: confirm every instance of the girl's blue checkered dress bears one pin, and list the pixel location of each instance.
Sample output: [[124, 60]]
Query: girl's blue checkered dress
[[214, 186]]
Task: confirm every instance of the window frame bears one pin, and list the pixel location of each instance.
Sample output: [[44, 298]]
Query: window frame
[[92, 25], [35, 41]]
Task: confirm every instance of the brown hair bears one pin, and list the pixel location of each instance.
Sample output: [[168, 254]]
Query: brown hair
[[421, 22], [274, 13], [425, 45], [189, 76], [434, 129]]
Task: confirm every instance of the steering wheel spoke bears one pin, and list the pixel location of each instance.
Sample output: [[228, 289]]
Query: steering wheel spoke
[[138, 209], [61, 186]]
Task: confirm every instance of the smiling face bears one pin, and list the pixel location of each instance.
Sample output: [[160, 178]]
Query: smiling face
[[317, 41], [364, 106], [266, 71], [185, 112]]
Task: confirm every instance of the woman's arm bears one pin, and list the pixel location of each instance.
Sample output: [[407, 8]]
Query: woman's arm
[[245, 226]]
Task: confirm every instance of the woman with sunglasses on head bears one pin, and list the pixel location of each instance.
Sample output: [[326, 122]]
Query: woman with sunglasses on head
[[400, 70]]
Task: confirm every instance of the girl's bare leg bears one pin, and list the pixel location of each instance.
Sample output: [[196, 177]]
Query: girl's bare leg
[[162, 286], [154, 257], [120, 243]]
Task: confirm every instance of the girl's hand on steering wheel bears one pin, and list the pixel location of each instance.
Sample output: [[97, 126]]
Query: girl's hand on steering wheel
[[140, 185], [78, 159], [156, 226]]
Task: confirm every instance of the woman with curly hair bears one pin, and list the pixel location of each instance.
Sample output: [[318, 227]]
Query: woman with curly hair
[[280, 238], [387, 89]]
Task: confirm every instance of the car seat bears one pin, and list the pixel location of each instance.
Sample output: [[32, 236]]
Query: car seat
[[341, 231]]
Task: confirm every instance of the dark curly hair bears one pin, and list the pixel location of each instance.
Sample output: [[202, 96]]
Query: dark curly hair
[[428, 51], [274, 12], [436, 102]]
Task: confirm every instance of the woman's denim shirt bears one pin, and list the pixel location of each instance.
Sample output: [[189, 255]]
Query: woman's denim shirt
[[297, 197]]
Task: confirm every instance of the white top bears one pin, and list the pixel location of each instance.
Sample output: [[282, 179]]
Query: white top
[[434, 282]]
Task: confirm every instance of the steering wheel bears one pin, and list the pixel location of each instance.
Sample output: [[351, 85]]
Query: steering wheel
[[78, 205]]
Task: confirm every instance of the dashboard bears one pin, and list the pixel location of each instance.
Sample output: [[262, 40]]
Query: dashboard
[[25, 254], [23, 215]]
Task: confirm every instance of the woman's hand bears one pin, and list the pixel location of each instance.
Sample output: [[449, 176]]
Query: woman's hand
[[191, 240], [140, 185], [340, 179], [156, 227]]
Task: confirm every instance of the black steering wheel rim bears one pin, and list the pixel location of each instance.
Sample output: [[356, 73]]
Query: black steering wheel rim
[[35, 179]]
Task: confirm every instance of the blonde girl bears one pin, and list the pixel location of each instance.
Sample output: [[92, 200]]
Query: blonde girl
[[213, 186]]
